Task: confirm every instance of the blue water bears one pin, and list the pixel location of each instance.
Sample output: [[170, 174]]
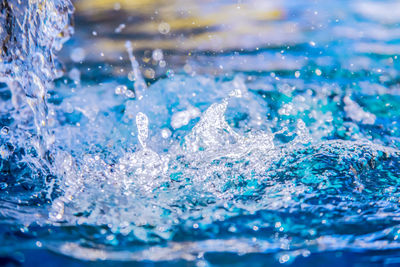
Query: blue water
[[288, 154]]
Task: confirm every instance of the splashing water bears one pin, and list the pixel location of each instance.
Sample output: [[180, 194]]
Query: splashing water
[[284, 165], [32, 31]]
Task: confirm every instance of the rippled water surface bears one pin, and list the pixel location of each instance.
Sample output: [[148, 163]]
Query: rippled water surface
[[200, 133]]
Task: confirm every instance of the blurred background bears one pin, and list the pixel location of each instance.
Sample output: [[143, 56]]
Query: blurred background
[[254, 37], [215, 37], [185, 35]]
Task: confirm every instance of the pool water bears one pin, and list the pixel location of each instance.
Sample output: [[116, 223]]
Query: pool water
[[273, 141]]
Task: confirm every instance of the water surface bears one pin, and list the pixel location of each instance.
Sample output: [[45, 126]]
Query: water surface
[[201, 133]]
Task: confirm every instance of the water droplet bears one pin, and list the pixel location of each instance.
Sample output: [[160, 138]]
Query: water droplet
[[120, 89], [142, 123], [131, 76], [164, 28], [165, 133], [75, 75], [5, 130], [284, 258], [236, 93], [119, 28], [117, 6], [170, 73], [149, 73], [157, 55], [187, 68], [3, 185], [162, 63], [78, 55], [129, 94]]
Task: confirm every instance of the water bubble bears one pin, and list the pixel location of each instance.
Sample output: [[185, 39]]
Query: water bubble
[[170, 73], [149, 73], [306, 253], [129, 94], [117, 6], [5, 151], [232, 229], [5, 130], [158, 55], [284, 258], [3, 185], [162, 63], [119, 28], [75, 75], [164, 28], [187, 68], [131, 76], [236, 93], [121, 89], [78, 54], [165, 133]]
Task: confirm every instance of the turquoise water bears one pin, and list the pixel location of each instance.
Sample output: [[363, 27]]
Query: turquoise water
[[289, 154]]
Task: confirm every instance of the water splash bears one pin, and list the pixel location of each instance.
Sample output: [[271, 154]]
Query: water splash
[[31, 33], [215, 173], [281, 164]]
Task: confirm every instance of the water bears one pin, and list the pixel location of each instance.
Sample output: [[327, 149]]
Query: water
[[275, 148]]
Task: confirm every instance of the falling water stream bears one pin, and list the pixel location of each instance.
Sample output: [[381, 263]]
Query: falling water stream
[[288, 154]]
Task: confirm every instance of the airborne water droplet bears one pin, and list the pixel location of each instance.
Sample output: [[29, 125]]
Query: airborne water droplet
[[5, 130], [142, 123], [120, 89], [157, 55], [164, 28]]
